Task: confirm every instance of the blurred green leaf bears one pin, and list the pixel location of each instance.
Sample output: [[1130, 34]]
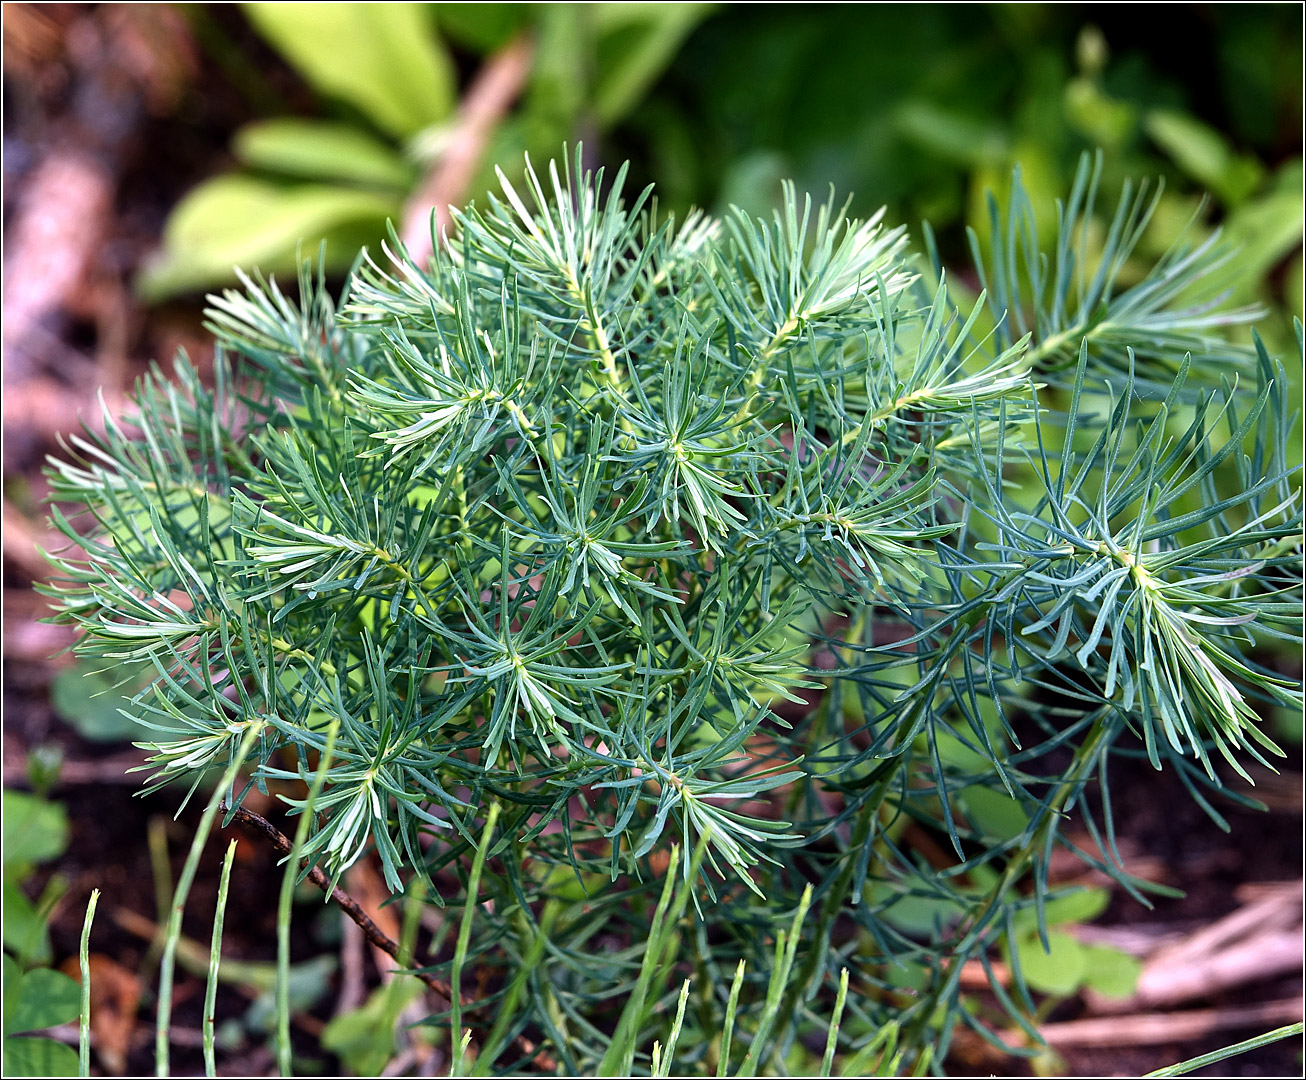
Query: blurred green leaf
[[44, 998], [1294, 294], [23, 930], [752, 181], [322, 150], [34, 830], [364, 1039], [1264, 231], [1204, 154], [243, 221], [915, 914], [481, 28], [27, 1056], [635, 43], [88, 700], [1110, 972], [309, 982], [995, 814], [950, 135], [13, 984], [1060, 970], [1080, 906], [381, 58], [1100, 118]]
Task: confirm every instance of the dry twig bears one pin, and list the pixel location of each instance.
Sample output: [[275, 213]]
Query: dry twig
[[258, 825], [1156, 1029]]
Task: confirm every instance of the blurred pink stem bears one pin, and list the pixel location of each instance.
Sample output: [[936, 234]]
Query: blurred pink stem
[[487, 100]]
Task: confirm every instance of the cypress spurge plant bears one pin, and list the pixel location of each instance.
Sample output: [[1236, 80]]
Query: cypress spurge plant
[[713, 564]]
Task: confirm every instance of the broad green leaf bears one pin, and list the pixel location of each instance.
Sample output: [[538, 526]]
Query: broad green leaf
[[27, 1056], [905, 974], [13, 983], [45, 998], [1057, 971], [1110, 972], [381, 58], [915, 914], [321, 150], [1080, 906], [34, 830], [234, 221], [309, 981]]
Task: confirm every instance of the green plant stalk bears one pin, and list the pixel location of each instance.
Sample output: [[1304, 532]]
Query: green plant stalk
[[286, 898], [167, 964], [1183, 1068], [507, 1010], [658, 956], [728, 1026], [621, 1051], [662, 1058], [84, 965], [785, 947], [832, 1036], [882, 1053], [460, 1039], [215, 961]]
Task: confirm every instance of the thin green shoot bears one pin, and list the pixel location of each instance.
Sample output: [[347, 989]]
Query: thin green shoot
[[84, 964], [167, 965], [215, 960], [284, 901]]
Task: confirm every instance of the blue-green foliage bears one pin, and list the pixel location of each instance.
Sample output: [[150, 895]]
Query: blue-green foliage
[[738, 536]]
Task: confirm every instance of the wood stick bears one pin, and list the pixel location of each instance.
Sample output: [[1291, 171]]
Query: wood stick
[[1156, 1029], [257, 825]]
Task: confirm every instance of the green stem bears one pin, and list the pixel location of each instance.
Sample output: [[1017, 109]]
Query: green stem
[[215, 961], [288, 881], [464, 941], [167, 966], [84, 964]]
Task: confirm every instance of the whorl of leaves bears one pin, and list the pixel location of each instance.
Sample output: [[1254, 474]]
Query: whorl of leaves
[[651, 532]]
